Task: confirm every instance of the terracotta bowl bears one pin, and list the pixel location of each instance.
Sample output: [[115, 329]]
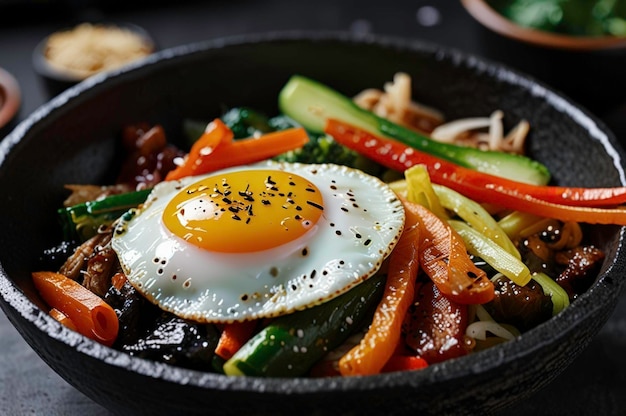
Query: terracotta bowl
[[73, 139], [10, 101], [588, 69]]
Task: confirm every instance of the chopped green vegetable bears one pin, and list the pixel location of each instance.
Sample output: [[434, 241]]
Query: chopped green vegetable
[[485, 248], [560, 298], [246, 122], [574, 17], [476, 216], [291, 344], [81, 221], [311, 104]]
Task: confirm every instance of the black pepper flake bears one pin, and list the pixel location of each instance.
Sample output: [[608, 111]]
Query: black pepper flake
[[357, 235], [309, 189], [227, 201], [292, 183], [244, 297], [344, 209], [305, 251], [265, 202], [367, 242], [314, 205], [236, 217], [333, 187], [338, 232], [313, 273]]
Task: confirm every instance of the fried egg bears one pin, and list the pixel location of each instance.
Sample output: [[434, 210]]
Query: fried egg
[[257, 241]]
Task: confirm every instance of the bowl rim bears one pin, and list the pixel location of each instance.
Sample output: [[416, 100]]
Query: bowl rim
[[13, 297], [494, 21], [10, 97]]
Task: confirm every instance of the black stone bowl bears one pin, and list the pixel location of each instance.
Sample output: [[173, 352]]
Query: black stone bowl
[[73, 139]]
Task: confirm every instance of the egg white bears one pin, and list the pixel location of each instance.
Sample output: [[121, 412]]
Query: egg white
[[361, 223]]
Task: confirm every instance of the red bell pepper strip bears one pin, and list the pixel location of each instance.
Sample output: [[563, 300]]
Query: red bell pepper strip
[[216, 149], [563, 203], [404, 363]]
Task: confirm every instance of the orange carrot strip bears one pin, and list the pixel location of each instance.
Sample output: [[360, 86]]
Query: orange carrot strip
[[233, 336], [118, 280], [62, 318], [208, 158], [443, 257], [381, 340], [91, 315], [215, 134]]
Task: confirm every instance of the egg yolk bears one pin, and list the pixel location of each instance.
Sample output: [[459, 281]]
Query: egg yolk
[[244, 211]]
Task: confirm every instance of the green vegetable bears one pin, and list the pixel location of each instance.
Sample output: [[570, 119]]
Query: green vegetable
[[311, 103], [573, 17], [560, 298], [246, 122], [291, 344], [476, 216], [497, 257], [81, 221]]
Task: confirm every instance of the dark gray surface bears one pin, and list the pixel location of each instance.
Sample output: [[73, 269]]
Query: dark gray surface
[[595, 383]]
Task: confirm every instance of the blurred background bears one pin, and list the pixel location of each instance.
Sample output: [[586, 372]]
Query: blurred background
[[28, 386]]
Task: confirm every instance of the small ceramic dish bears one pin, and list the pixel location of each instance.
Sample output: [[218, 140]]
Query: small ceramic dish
[[70, 55], [590, 69]]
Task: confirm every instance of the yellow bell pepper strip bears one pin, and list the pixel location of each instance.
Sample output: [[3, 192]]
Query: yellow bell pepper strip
[[563, 203], [476, 216], [443, 257], [419, 189], [91, 315], [216, 149], [497, 257], [380, 342]]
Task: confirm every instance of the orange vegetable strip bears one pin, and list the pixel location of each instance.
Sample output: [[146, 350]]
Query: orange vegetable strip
[[443, 257], [381, 340], [62, 318], [118, 280], [233, 336], [215, 134], [240, 152], [91, 315]]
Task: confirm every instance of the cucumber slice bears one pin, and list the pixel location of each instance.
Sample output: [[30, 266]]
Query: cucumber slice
[[311, 103]]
